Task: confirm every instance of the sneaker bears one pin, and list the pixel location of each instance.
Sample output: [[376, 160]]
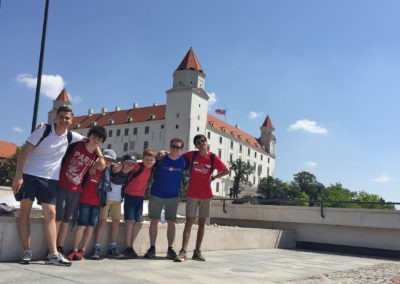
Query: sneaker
[[197, 255], [71, 255], [79, 255], [181, 256], [96, 253], [130, 253], [58, 259], [114, 253], [151, 253], [171, 254], [27, 257]]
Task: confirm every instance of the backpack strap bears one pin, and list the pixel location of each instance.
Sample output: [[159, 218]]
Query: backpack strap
[[69, 136], [70, 148], [45, 134]]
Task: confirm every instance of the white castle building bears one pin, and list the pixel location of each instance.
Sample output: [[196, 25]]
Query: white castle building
[[184, 115]]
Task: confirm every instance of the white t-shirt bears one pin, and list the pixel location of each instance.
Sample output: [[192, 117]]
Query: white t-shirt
[[115, 193], [45, 159]]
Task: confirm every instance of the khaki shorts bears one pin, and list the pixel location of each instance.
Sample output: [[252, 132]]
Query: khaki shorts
[[114, 207], [202, 204]]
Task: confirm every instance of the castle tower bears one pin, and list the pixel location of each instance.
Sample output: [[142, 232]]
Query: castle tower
[[267, 138], [187, 102], [61, 100]]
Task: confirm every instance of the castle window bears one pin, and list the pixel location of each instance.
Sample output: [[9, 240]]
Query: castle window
[[110, 133], [248, 152], [177, 115], [109, 146], [129, 119], [131, 145], [145, 145], [217, 188], [220, 140], [125, 147], [110, 122], [162, 126], [231, 158], [231, 144], [146, 129], [126, 132], [77, 125], [135, 131], [219, 153], [177, 126], [93, 123], [208, 135], [255, 154], [261, 157], [118, 132]]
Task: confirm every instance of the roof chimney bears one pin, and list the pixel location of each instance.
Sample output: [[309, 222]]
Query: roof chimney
[[103, 110], [117, 108], [135, 105], [90, 112]]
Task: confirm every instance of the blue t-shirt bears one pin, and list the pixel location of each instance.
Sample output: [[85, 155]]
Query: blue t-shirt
[[168, 177]]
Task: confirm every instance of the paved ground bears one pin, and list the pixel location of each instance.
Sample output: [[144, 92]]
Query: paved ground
[[250, 266]]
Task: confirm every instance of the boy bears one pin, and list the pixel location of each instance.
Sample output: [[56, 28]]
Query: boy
[[89, 204], [78, 159], [36, 176], [165, 193], [199, 193], [133, 200], [119, 176]]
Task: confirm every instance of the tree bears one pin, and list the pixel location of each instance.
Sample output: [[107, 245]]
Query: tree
[[336, 192], [242, 170], [364, 196], [7, 169], [307, 183]]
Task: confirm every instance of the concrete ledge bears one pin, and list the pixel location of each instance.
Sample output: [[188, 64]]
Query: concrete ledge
[[216, 238]]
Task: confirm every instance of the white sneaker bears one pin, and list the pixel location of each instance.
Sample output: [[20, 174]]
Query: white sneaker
[[27, 257], [58, 259]]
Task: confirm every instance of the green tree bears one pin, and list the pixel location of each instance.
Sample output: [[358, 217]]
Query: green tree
[[7, 169], [336, 192], [364, 196], [242, 170], [307, 183]]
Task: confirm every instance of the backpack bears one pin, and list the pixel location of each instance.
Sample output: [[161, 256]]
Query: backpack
[[103, 187], [47, 131], [131, 177]]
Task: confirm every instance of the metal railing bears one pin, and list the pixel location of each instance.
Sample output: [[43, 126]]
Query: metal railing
[[311, 203]]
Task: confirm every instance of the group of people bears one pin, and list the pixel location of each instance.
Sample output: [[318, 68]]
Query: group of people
[[75, 182]]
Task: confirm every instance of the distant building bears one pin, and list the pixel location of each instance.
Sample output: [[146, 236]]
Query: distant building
[[184, 115], [7, 150]]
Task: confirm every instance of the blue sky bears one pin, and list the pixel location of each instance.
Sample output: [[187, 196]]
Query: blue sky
[[326, 72]]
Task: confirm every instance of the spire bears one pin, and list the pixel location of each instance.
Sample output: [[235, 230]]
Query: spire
[[268, 123], [63, 96], [190, 62]]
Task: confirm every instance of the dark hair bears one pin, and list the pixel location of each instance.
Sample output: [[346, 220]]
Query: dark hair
[[98, 131], [64, 109], [197, 137], [176, 139]]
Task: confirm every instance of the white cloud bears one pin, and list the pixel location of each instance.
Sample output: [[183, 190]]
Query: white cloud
[[18, 129], [255, 115], [311, 165], [308, 126], [212, 100], [51, 85], [383, 178], [74, 99]]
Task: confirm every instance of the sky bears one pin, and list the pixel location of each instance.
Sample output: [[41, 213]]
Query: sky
[[326, 72]]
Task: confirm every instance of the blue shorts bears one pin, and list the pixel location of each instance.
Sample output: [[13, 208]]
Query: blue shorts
[[88, 215], [133, 208], [43, 189]]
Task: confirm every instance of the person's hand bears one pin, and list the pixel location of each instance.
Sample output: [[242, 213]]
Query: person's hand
[[16, 185]]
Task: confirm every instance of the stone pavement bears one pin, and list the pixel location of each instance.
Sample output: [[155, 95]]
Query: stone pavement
[[230, 266]]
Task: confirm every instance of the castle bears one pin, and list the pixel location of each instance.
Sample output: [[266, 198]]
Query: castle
[[184, 115]]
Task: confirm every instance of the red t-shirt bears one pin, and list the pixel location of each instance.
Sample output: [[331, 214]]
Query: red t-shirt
[[75, 166], [89, 190], [137, 187], [199, 183]]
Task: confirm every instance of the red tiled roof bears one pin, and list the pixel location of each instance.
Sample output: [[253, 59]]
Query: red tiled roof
[[268, 123], [7, 149], [233, 131], [121, 116], [63, 96], [190, 62]]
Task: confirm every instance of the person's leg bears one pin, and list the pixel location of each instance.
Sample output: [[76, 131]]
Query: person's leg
[[138, 212], [23, 223], [186, 233], [153, 231], [154, 207], [62, 234], [80, 231], [87, 236], [128, 233], [170, 233], [200, 233], [50, 232], [171, 210], [191, 210], [136, 229]]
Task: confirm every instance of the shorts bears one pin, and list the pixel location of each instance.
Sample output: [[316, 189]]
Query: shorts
[[114, 207], [157, 203], [43, 189], [133, 208], [193, 203], [67, 205], [88, 215]]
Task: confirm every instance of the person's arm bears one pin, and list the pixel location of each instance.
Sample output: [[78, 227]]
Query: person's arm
[[219, 175], [23, 154], [117, 168]]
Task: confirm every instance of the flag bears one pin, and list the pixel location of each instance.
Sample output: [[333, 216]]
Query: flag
[[220, 111]]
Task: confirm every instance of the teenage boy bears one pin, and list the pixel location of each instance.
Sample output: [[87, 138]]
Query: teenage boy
[[165, 193], [77, 161], [133, 200], [36, 176], [119, 176], [199, 193], [89, 204]]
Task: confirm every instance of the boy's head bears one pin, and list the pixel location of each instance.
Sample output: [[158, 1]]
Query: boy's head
[[199, 139], [128, 161], [64, 117], [109, 156], [98, 132], [149, 157]]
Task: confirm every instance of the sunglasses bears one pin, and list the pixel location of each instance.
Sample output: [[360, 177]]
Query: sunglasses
[[200, 141], [175, 147]]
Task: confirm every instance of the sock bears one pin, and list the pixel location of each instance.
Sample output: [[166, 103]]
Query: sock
[[113, 245], [97, 245]]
